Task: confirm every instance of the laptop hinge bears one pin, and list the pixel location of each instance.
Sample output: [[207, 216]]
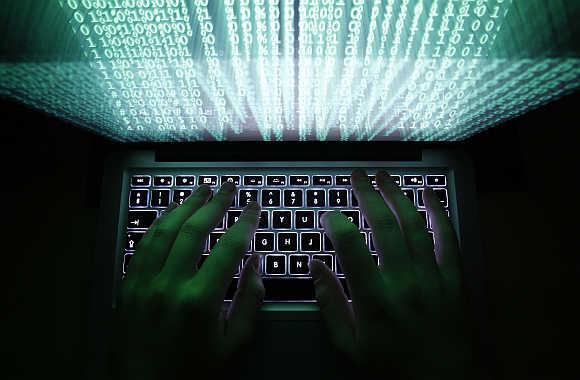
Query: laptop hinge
[[290, 151]]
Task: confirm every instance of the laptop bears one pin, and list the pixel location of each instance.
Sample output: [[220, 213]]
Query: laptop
[[285, 99]]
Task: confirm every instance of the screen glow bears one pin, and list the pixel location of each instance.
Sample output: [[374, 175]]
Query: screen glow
[[186, 70]]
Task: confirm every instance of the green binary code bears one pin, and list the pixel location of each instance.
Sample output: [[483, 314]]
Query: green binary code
[[186, 70]]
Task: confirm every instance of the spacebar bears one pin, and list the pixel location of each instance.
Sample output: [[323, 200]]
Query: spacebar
[[291, 289]]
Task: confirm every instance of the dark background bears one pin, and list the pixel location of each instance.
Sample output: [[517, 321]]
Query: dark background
[[526, 174]]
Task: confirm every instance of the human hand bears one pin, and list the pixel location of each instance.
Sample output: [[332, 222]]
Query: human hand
[[170, 317], [406, 316]]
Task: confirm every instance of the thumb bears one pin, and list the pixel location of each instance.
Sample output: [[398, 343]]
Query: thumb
[[245, 305], [336, 312]]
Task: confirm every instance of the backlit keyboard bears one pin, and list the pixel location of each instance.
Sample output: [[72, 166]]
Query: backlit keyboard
[[289, 233]]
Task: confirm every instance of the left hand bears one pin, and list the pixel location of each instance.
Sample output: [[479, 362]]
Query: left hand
[[170, 319]]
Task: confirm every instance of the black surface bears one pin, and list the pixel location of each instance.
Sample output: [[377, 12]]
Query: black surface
[[527, 219]]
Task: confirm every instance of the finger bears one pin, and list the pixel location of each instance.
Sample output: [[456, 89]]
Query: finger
[[387, 235], [221, 264], [335, 310], [361, 272], [412, 224], [446, 246], [147, 237], [246, 304], [167, 228], [193, 233]]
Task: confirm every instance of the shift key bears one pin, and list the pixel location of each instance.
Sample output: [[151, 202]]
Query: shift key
[[140, 218]]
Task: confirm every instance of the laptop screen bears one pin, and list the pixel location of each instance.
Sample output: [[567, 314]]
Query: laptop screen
[[288, 70]]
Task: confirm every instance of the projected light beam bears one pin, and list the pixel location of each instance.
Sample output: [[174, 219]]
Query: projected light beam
[[177, 70]]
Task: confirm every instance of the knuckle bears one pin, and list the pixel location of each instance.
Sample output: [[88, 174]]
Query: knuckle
[[193, 228], [254, 293], [192, 298], [161, 231], [232, 242], [346, 234], [385, 221]]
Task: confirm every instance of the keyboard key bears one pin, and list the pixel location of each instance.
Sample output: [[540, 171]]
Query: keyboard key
[[304, 219], [339, 270], [287, 242], [315, 198], [420, 202], [232, 217], [342, 180], [141, 218], [375, 259], [160, 198], [210, 180], [132, 239], [322, 180], [372, 243], [264, 242], [220, 225], [293, 198], [235, 179], [253, 180], [364, 236], [328, 247], [365, 223], [310, 241], [126, 260], [141, 180], [201, 260], [299, 180], [270, 198], [326, 259], [353, 216], [372, 180], [299, 264], [275, 265], [353, 200], [214, 237], [396, 179], [442, 195], [245, 260], [281, 219], [423, 214], [276, 180], [288, 289], [185, 180], [409, 193], [246, 196], [337, 198], [179, 196], [413, 180], [162, 180], [436, 180], [138, 198], [264, 222]]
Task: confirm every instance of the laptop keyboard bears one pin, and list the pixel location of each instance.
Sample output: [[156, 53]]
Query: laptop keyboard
[[289, 233]]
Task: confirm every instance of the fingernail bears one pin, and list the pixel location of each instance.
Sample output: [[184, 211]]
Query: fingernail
[[323, 218], [252, 206], [314, 268], [228, 187], [359, 174], [255, 263], [204, 189], [384, 177], [427, 192]]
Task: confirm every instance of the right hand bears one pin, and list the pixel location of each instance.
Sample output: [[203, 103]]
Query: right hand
[[406, 315]]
